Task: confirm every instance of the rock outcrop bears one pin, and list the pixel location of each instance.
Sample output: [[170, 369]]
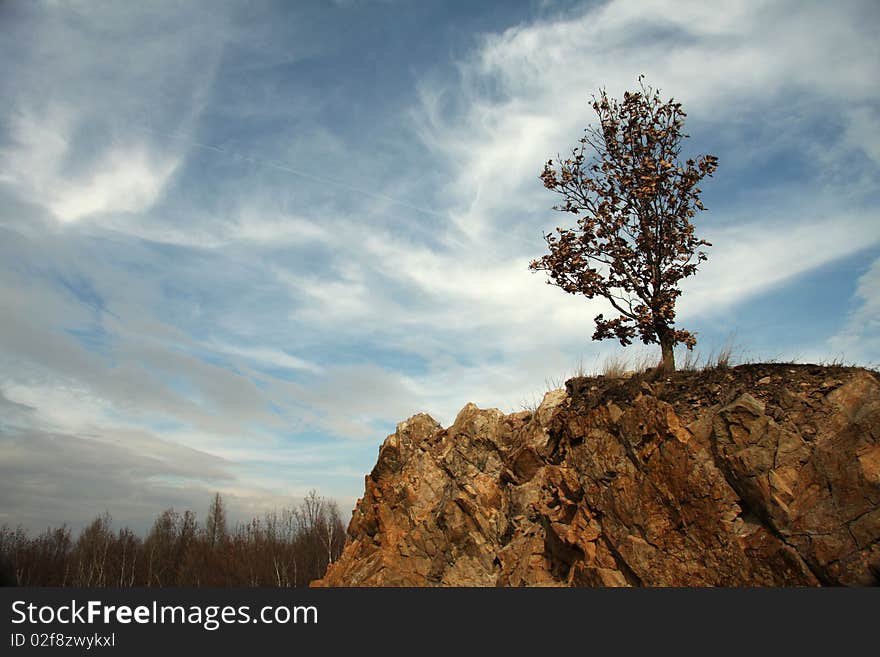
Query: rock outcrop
[[760, 475]]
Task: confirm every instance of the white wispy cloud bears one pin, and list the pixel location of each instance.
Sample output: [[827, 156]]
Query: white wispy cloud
[[859, 340], [751, 258], [268, 357], [127, 179], [127, 176], [75, 144]]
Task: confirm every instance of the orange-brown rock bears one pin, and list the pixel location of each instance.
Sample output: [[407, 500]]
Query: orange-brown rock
[[760, 475]]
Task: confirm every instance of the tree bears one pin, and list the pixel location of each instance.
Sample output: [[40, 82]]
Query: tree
[[321, 534], [215, 524], [634, 240]]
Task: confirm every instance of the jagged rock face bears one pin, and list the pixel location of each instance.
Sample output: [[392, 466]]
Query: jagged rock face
[[759, 475]]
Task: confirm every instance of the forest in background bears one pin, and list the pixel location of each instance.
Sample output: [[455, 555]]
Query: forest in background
[[290, 548]]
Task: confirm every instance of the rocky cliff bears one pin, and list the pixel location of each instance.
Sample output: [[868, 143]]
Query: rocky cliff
[[756, 475]]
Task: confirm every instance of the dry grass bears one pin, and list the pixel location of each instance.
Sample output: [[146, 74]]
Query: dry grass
[[620, 366], [530, 405], [645, 362], [725, 357], [614, 367], [837, 361], [690, 362], [553, 383], [687, 360]]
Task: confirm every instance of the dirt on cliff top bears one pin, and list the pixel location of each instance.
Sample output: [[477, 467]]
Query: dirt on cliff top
[[688, 391]]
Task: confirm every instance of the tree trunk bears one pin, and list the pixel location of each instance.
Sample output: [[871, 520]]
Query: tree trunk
[[667, 365]]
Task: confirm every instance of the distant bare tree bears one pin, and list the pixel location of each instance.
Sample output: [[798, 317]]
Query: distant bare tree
[[93, 549], [215, 524]]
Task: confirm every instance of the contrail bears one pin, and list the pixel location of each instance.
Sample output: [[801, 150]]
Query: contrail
[[281, 166]]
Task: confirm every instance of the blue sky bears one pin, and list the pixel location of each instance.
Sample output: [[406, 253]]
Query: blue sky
[[240, 241]]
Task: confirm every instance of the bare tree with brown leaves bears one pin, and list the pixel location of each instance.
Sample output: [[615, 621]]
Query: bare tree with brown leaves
[[634, 240]]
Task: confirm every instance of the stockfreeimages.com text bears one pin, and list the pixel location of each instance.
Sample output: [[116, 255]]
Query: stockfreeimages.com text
[[210, 617]]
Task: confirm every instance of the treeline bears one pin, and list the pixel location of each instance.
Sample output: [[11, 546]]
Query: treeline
[[290, 548]]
